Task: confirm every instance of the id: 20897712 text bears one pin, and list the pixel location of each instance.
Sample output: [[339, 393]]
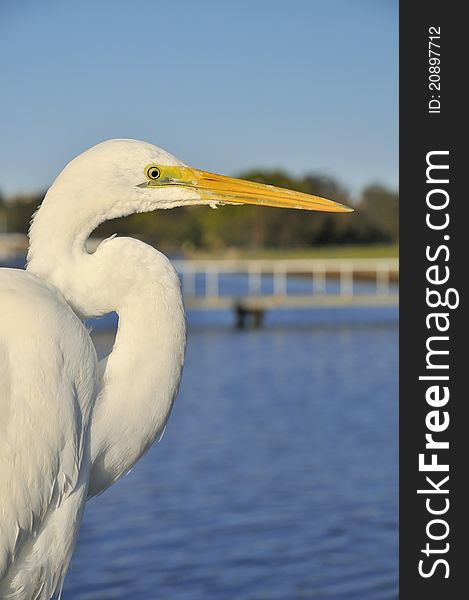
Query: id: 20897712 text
[[434, 70]]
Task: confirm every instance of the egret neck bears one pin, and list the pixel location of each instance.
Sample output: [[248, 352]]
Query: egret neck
[[140, 377]]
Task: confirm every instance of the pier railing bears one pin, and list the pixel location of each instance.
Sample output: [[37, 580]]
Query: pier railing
[[289, 283]]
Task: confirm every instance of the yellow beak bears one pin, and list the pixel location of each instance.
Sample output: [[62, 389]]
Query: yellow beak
[[218, 189]]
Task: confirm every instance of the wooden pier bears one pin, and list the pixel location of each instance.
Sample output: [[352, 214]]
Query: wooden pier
[[324, 283]]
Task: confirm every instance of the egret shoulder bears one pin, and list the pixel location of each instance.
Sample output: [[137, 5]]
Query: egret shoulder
[[48, 381]]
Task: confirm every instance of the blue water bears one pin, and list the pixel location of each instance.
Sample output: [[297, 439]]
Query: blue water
[[277, 475]]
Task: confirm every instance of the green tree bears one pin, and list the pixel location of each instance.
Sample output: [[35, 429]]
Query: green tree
[[380, 209], [375, 219]]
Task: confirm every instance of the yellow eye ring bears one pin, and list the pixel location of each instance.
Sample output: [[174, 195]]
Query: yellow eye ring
[[152, 172]]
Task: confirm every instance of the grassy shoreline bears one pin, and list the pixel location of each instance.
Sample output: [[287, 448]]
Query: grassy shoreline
[[368, 251]]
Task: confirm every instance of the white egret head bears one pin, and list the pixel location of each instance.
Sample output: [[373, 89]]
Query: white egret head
[[121, 177]]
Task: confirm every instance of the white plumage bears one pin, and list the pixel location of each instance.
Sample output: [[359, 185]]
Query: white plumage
[[48, 375], [70, 427]]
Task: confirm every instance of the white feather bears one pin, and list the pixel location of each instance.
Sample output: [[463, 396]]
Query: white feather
[[68, 426]]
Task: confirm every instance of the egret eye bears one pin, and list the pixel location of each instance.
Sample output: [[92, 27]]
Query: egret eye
[[153, 172]]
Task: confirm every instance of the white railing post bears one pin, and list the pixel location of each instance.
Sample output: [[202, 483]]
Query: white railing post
[[382, 280], [188, 281], [280, 280], [211, 281], [346, 280], [319, 279], [254, 280]]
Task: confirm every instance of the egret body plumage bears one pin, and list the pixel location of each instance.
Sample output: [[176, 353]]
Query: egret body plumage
[[70, 426]]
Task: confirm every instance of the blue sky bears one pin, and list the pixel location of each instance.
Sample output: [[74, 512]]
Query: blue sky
[[306, 85]]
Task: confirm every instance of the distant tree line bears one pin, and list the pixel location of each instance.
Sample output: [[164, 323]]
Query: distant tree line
[[374, 221]]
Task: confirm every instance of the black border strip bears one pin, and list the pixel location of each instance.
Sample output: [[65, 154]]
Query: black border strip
[[422, 412]]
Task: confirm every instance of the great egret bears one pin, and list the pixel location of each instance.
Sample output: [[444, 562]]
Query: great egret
[[70, 426]]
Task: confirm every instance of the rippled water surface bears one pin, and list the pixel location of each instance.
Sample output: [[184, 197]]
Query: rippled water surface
[[277, 475]]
